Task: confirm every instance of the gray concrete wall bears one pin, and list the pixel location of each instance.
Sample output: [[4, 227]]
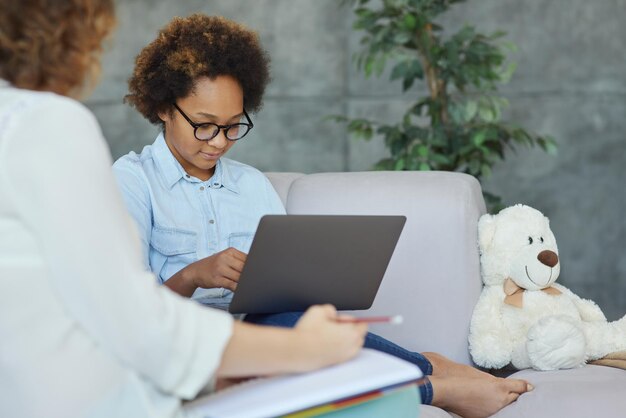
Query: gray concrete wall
[[570, 83]]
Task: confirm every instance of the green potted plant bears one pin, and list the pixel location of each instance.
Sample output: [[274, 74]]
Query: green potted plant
[[456, 125]]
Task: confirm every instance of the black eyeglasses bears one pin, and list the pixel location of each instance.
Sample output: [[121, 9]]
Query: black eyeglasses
[[207, 131]]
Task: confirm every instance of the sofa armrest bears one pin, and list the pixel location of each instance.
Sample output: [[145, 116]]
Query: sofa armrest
[[433, 279]]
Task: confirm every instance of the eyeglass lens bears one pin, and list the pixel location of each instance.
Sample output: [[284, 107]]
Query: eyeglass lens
[[208, 131]]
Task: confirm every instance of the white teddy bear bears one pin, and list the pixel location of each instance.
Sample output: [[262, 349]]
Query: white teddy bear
[[522, 317]]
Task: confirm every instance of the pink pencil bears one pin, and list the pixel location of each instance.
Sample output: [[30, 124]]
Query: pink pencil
[[395, 319]]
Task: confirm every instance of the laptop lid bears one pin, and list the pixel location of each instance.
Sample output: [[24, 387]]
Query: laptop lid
[[296, 261]]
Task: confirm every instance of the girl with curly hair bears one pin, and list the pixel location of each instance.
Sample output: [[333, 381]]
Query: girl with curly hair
[[197, 210], [85, 331]]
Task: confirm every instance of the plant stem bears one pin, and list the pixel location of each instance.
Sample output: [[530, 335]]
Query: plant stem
[[436, 86]]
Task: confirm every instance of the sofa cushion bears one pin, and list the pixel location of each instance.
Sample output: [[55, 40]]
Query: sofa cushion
[[590, 391], [282, 183]]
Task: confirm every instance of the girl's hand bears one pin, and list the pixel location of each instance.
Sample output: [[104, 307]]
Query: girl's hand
[[327, 341], [219, 270]]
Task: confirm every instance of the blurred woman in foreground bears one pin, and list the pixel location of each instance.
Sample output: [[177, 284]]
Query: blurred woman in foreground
[[84, 329]]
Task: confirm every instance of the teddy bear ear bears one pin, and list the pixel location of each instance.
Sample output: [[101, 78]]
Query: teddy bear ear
[[486, 231]]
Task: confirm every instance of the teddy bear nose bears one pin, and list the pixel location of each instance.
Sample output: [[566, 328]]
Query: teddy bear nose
[[549, 258]]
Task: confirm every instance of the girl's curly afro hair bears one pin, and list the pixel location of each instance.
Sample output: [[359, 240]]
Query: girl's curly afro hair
[[194, 47]]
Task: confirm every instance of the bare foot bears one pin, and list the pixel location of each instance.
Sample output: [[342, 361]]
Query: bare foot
[[443, 367], [476, 397]]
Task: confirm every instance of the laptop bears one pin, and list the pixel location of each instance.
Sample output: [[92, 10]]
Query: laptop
[[296, 261]]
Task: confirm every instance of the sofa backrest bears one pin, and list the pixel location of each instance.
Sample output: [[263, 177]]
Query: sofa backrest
[[433, 279]]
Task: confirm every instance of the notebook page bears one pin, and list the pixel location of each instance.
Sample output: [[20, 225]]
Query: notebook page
[[279, 395]]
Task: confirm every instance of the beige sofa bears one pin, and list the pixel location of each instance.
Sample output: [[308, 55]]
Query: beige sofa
[[433, 279]]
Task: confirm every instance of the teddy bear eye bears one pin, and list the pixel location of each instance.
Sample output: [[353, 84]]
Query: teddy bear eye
[[530, 240], [541, 239]]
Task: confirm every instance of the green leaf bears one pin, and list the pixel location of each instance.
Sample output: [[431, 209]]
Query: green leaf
[[440, 159], [399, 71], [424, 167], [496, 35], [399, 165], [385, 164], [486, 114], [466, 149], [457, 112], [474, 167], [549, 145], [471, 108], [412, 164], [415, 133], [407, 83], [508, 46], [384, 130], [500, 102], [361, 128], [401, 38], [370, 62], [485, 171], [418, 108], [415, 68], [409, 22], [507, 73], [406, 121], [379, 65], [478, 138]]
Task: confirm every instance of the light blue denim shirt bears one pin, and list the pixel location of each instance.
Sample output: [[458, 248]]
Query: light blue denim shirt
[[183, 219]]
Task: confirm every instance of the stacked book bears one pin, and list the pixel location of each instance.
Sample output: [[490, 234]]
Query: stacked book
[[373, 384]]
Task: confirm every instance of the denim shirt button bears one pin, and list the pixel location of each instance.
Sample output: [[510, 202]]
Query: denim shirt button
[[211, 221], [201, 188]]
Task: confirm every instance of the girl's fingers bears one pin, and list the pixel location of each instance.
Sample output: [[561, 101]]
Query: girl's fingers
[[241, 256]]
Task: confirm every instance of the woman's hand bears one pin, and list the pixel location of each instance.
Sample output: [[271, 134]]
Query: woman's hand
[[318, 340], [219, 270], [328, 341], [226, 382]]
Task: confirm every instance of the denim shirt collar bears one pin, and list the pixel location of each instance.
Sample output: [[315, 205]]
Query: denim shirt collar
[[223, 176], [172, 171]]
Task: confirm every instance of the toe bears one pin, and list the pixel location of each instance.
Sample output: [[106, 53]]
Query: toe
[[518, 386]]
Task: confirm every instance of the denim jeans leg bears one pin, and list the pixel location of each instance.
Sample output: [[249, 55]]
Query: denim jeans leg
[[285, 319], [376, 342], [373, 341]]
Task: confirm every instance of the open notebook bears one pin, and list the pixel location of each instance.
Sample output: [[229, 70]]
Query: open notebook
[[370, 371]]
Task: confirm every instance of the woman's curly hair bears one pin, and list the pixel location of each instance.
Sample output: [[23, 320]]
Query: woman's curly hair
[[53, 45], [190, 48]]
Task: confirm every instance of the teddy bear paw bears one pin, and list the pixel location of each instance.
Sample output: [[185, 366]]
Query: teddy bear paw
[[556, 342]]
